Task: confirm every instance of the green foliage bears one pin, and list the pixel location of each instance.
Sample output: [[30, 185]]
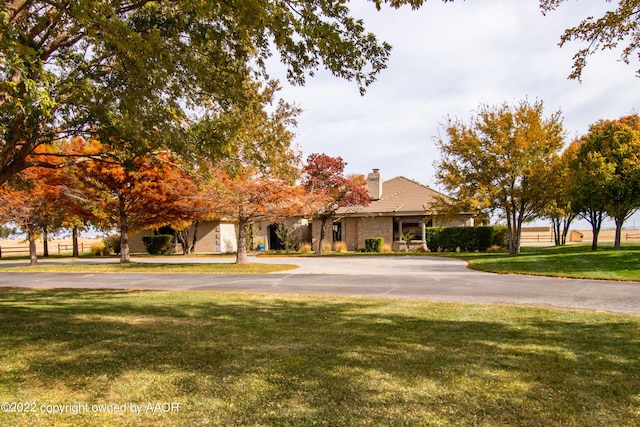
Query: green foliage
[[606, 172], [111, 244], [602, 33], [500, 236], [133, 71], [6, 231], [501, 162], [287, 237], [407, 236], [158, 243], [467, 239], [373, 244]]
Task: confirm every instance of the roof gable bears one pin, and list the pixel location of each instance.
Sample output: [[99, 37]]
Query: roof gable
[[400, 195]]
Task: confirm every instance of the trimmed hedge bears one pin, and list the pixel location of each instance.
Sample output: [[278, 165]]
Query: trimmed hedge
[[468, 239], [373, 244], [158, 243]]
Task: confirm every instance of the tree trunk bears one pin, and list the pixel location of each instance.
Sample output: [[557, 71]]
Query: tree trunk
[[241, 257], [557, 233], [619, 222], [74, 234], [561, 229], [567, 223], [322, 234], [124, 237], [45, 243], [514, 232], [594, 241], [595, 219], [183, 238], [192, 248], [514, 243], [33, 255]]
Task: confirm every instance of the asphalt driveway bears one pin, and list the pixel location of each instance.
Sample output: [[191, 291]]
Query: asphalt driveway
[[429, 278]]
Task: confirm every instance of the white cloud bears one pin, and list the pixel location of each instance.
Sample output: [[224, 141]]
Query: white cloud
[[447, 60]]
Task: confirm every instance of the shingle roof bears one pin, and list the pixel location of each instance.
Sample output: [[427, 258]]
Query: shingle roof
[[400, 195]]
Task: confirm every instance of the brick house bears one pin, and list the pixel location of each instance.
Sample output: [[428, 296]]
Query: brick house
[[399, 205], [222, 236], [213, 237]]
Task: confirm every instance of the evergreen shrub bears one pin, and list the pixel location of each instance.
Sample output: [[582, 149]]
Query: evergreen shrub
[[468, 239], [158, 243], [373, 244]]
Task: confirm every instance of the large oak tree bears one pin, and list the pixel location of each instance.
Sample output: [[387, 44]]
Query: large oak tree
[[500, 162], [152, 69]]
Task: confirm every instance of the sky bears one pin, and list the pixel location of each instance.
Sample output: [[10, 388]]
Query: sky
[[447, 60]]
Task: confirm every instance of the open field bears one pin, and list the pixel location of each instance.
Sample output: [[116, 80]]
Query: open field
[[201, 358], [12, 248]]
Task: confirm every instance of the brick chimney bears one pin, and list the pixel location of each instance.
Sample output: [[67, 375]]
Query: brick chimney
[[374, 184]]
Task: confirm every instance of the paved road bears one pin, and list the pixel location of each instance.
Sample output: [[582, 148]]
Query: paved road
[[436, 279]]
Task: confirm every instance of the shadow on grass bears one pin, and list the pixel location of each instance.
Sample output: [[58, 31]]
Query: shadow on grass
[[234, 359]]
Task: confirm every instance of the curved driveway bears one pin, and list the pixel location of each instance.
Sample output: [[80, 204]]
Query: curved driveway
[[430, 278]]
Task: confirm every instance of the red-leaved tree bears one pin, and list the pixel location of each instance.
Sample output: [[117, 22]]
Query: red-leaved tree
[[330, 189]]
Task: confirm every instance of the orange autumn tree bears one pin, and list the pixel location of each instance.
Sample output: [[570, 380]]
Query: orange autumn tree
[[135, 193], [249, 196], [30, 199]]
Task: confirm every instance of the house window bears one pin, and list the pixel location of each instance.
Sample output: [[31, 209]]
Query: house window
[[408, 225], [337, 231]]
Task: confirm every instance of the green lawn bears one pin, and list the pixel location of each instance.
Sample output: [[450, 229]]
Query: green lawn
[[577, 261], [235, 359]]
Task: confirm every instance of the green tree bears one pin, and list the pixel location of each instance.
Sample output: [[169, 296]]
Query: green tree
[[6, 231], [559, 208], [614, 27], [501, 161], [608, 159], [586, 190], [145, 71]]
